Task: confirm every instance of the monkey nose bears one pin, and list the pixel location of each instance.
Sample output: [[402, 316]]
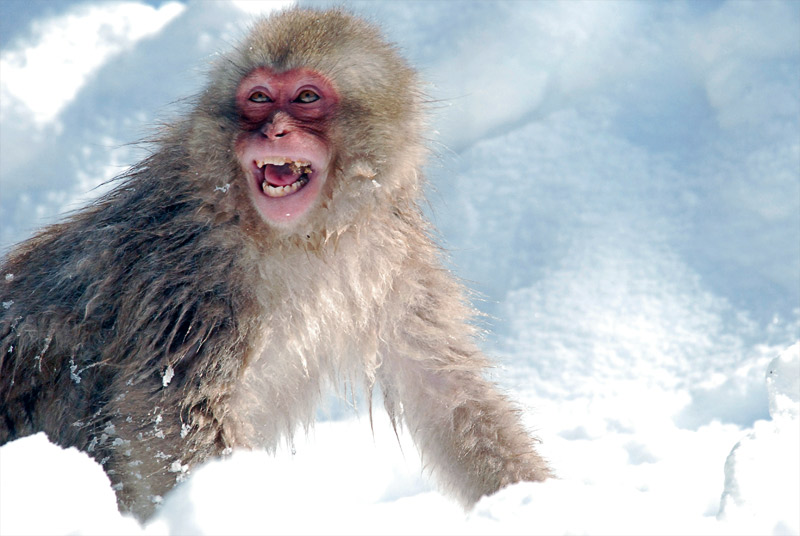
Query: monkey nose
[[276, 127], [272, 131], [273, 134]]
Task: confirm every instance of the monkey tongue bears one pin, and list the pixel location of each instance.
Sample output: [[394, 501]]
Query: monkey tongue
[[282, 180], [281, 175]]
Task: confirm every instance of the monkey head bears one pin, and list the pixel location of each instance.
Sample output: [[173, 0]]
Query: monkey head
[[319, 125], [283, 146]]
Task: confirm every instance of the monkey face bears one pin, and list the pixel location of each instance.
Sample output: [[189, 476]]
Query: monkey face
[[284, 145]]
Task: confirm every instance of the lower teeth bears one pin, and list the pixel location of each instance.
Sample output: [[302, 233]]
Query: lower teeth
[[281, 191]]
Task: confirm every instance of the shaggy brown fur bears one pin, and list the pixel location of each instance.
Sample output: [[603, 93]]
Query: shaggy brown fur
[[168, 322]]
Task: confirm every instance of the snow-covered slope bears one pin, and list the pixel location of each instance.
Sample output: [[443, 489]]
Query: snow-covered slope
[[620, 183]]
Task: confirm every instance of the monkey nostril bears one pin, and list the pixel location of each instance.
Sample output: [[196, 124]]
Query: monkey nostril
[[272, 132]]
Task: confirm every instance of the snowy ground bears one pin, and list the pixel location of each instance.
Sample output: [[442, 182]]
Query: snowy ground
[[620, 182]]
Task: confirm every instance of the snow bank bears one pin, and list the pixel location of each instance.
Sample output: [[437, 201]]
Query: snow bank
[[762, 472], [69, 49], [346, 479], [45, 489]]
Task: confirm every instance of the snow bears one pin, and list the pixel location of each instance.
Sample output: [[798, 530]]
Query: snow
[[38, 492], [618, 181], [783, 385], [70, 48], [766, 458]]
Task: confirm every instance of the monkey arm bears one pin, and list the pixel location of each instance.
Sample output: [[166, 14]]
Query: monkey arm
[[469, 434]]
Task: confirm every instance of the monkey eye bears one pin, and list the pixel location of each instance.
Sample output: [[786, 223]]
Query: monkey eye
[[306, 96], [259, 96]]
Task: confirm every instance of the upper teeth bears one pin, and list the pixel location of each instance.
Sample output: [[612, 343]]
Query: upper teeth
[[297, 166]]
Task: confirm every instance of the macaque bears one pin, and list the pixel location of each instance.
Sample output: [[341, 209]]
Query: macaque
[[271, 245]]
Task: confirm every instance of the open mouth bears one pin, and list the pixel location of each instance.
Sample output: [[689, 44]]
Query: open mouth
[[284, 187], [283, 176]]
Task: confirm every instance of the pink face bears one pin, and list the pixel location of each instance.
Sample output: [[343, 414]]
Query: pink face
[[284, 147]]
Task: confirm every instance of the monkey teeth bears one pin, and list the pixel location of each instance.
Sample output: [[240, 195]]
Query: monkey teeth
[[282, 169], [296, 166], [281, 191]]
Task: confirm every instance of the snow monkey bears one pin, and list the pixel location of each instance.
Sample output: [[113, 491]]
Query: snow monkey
[[270, 245]]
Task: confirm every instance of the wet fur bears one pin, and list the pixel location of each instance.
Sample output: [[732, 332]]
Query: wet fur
[[167, 323]]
